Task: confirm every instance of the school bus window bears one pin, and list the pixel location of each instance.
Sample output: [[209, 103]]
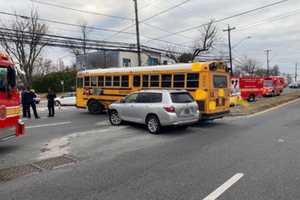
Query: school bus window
[[108, 80], [179, 80], [124, 82], [145, 80], [166, 81], [79, 82], [100, 81], [116, 81], [94, 81], [137, 81], [220, 81], [154, 81], [192, 80], [87, 81]]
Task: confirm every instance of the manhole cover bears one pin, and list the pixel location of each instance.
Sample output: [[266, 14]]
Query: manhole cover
[[53, 163], [12, 173], [15, 172]]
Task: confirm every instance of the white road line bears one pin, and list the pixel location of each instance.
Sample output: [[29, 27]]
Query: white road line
[[220, 190], [48, 125]]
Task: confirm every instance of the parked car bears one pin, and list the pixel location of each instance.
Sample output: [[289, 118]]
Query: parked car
[[294, 85], [156, 108], [68, 99]]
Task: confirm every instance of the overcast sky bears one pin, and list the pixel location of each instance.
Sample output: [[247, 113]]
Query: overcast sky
[[276, 28]]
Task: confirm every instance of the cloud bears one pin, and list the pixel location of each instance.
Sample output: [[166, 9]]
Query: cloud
[[268, 28]]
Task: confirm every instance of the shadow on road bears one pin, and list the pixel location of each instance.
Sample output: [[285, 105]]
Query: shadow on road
[[5, 149]]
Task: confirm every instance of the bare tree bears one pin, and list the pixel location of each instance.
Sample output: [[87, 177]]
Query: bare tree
[[43, 66], [84, 31], [208, 37], [248, 66], [23, 41]]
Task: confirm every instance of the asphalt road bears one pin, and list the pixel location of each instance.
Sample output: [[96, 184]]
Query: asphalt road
[[254, 157]]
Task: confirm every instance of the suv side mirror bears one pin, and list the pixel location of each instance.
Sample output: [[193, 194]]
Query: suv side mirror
[[122, 101]]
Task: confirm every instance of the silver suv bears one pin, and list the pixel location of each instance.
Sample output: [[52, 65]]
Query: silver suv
[[156, 108]]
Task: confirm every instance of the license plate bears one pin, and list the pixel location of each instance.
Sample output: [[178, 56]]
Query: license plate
[[187, 111]]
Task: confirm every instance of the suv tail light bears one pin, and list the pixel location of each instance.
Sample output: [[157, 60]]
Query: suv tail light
[[2, 112], [170, 109]]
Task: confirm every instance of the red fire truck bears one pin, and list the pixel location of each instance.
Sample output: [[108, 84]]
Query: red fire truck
[[10, 121], [251, 87], [273, 86]]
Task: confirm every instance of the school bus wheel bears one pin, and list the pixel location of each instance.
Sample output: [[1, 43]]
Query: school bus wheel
[[95, 107]]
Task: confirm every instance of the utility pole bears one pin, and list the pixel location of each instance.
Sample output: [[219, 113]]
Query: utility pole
[[268, 61], [137, 32], [296, 72], [229, 29]]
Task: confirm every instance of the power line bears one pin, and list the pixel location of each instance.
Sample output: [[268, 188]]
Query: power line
[[79, 10], [166, 10], [153, 16], [66, 23], [164, 30], [71, 42], [92, 28], [223, 19], [272, 19]]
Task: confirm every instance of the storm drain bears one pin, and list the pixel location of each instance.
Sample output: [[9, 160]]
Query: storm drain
[[12, 173]]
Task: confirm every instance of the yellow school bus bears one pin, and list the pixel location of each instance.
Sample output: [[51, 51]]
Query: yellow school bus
[[207, 82]]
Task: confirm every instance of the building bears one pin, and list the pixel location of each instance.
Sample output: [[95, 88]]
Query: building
[[121, 58]]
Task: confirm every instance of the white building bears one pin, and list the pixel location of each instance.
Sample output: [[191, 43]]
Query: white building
[[121, 58]]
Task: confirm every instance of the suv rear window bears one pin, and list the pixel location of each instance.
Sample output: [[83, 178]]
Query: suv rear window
[[183, 97], [149, 98]]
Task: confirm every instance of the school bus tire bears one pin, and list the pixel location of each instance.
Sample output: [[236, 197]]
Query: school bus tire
[[95, 107]]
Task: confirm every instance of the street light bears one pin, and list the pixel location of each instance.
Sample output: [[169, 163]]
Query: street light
[[241, 41]]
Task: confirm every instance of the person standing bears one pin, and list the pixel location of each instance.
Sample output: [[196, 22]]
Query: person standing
[[51, 102], [26, 100], [33, 96], [23, 90]]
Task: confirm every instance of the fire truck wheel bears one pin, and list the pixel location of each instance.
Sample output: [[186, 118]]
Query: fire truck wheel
[[251, 98], [95, 107]]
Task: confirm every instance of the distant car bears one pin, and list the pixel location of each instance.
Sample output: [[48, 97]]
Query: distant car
[[68, 99], [156, 108], [294, 85]]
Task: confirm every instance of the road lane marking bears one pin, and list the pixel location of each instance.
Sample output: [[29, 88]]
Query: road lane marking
[[220, 190], [48, 125]]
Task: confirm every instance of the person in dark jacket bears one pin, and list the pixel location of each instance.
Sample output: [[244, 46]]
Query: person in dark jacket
[[29, 101], [26, 100], [23, 90], [51, 102], [33, 96]]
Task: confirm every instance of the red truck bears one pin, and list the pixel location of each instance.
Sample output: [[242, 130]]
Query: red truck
[[11, 124], [273, 85], [251, 87]]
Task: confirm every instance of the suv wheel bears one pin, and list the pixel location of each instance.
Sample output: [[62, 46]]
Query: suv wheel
[[153, 124], [114, 118]]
